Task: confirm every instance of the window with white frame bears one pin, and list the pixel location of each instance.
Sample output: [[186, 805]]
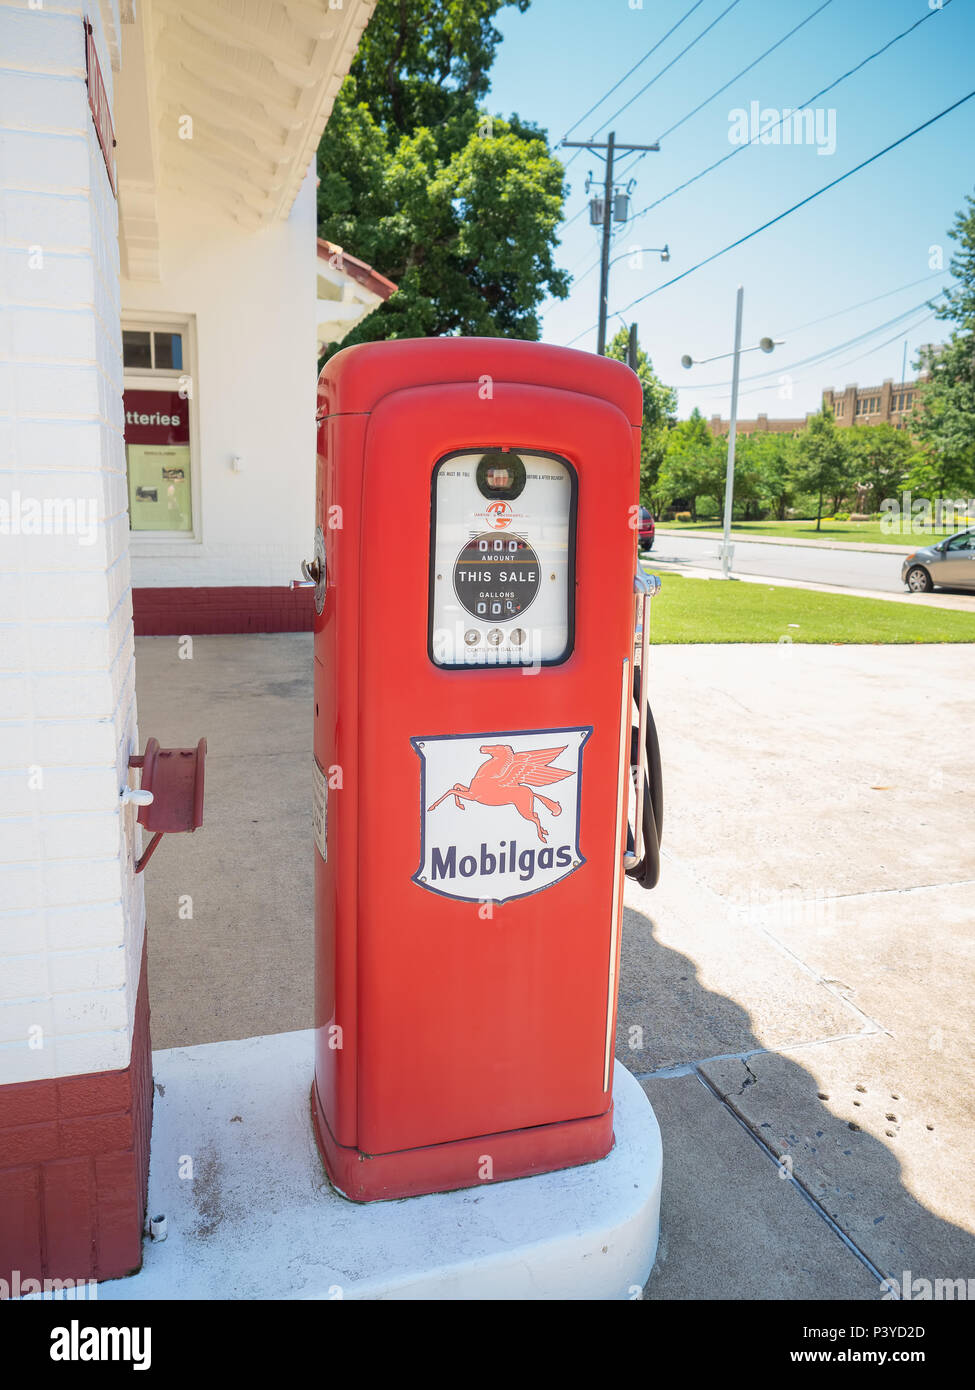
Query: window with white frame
[[158, 399]]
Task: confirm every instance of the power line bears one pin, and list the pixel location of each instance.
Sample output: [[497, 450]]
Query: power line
[[812, 323], [708, 100], [929, 14], [754, 63], [738, 150], [809, 198], [799, 328], [699, 107], [649, 53], [614, 238], [757, 390], [817, 358], [625, 168], [824, 318], [794, 208], [608, 205], [576, 215], [808, 102], [869, 352], [669, 65], [878, 347]]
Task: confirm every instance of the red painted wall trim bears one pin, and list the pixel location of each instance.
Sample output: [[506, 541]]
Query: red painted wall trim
[[200, 612], [74, 1168]]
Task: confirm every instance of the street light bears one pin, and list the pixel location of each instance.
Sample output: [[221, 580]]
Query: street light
[[639, 250], [763, 345]]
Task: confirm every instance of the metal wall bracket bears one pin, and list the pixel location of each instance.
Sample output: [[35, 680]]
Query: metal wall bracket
[[174, 777]]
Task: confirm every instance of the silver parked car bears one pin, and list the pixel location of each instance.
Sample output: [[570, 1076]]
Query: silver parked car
[[951, 563]]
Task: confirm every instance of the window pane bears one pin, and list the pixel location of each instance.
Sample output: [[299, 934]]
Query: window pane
[[169, 351], [136, 351]]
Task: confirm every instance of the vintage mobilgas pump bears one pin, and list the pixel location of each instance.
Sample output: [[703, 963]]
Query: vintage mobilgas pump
[[474, 692]]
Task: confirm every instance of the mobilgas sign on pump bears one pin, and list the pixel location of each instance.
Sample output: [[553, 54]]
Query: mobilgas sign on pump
[[479, 647]]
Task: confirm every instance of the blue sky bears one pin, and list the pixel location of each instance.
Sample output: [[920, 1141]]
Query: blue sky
[[870, 235]]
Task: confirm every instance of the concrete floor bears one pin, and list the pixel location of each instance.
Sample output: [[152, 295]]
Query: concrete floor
[[795, 995], [242, 964]]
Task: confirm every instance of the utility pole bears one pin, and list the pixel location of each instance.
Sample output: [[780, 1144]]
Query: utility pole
[[604, 260], [610, 146], [631, 349]]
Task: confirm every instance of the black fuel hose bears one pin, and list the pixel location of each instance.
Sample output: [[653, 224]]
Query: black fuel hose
[[647, 871]]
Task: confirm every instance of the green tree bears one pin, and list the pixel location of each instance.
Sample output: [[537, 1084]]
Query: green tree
[[823, 458], [426, 63], [773, 458], [659, 404], [460, 209], [693, 465], [958, 302], [879, 455], [943, 420], [764, 473]]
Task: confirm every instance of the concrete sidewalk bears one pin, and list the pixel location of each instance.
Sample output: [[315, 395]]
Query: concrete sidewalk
[[793, 995]]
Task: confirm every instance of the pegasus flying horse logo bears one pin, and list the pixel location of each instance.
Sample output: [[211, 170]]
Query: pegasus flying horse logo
[[474, 844], [509, 779]]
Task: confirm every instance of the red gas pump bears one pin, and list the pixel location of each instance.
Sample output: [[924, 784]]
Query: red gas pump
[[474, 566]]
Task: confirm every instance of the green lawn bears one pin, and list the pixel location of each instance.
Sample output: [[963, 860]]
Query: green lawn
[[867, 532], [715, 610]]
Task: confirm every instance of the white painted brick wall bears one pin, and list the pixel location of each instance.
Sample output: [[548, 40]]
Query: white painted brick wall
[[71, 910], [241, 286]]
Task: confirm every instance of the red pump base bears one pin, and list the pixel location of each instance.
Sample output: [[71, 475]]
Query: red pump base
[[517, 1153]]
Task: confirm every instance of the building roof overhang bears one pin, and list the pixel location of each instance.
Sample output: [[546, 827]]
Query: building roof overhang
[[225, 102]]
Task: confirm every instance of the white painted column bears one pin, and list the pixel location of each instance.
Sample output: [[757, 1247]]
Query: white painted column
[[71, 909]]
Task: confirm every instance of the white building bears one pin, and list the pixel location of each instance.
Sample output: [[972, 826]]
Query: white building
[[157, 404]]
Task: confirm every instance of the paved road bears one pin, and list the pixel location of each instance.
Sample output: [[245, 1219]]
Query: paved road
[[851, 569]]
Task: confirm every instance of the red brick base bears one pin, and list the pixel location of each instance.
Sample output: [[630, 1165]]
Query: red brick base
[[74, 1167], [200, 612]]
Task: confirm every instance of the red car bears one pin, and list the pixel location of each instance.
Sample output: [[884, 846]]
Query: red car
[[647, 529]]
